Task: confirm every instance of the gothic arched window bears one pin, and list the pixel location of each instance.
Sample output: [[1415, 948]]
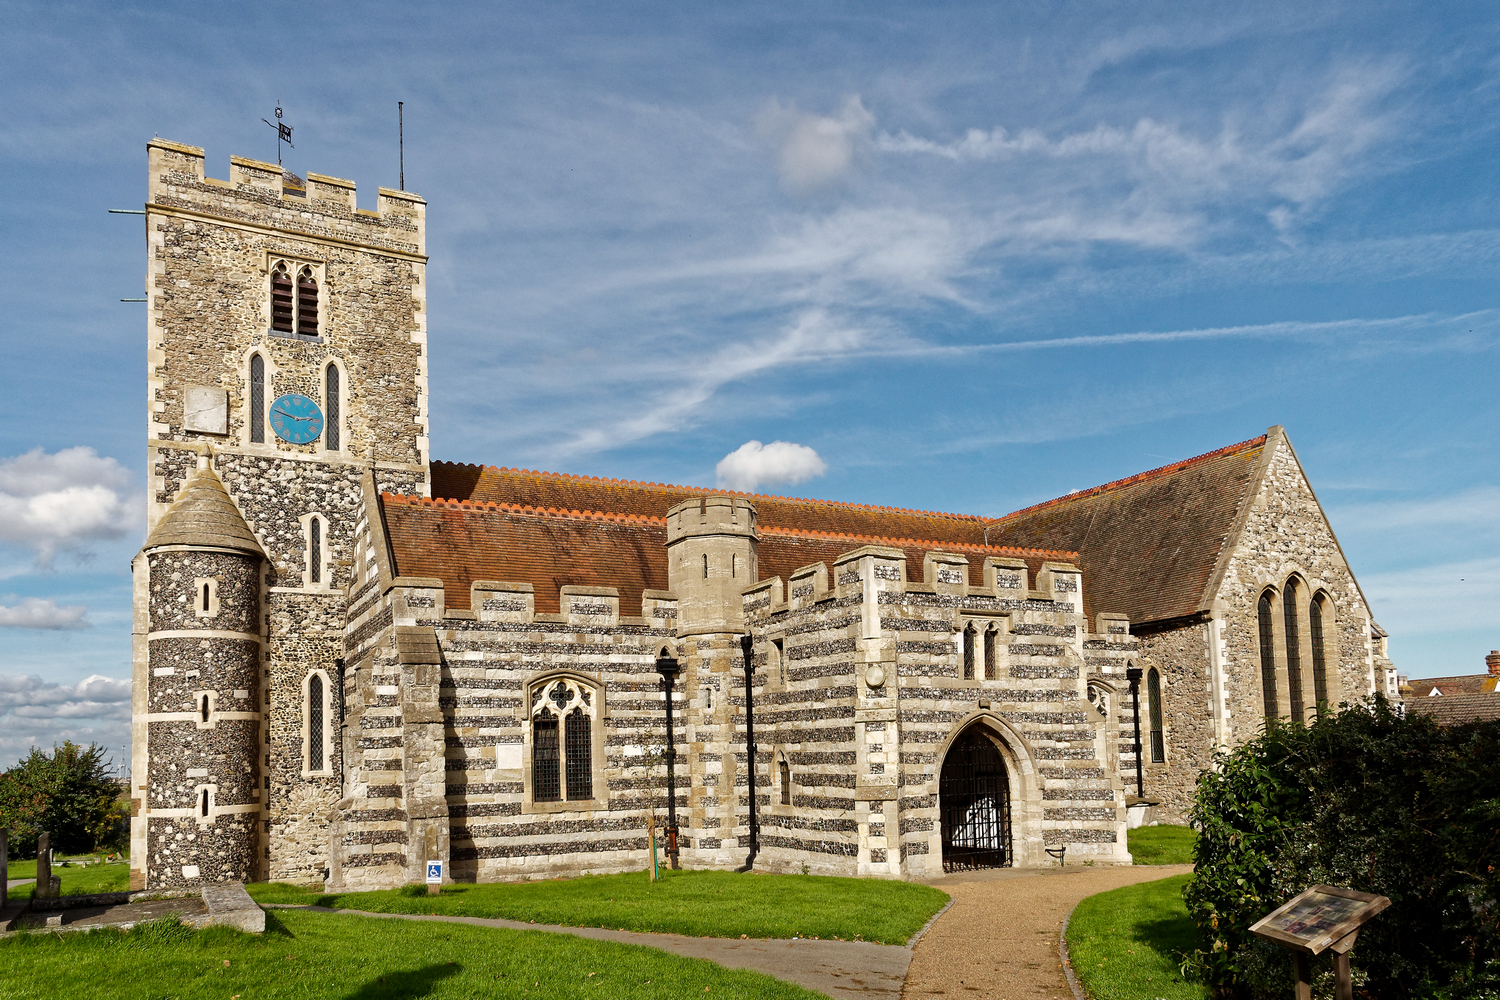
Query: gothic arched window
[[969, 637], [331, 408], [1153, 699], [1293, 649], [257, 404], [1267, 654], [1315, 612], [283, 302], [316, 712], [315, 549], [307, 303], [785, 774], [991, 668], [562, 741]]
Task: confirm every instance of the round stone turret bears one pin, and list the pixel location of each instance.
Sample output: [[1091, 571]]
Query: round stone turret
[[711, 556], [199, 813]]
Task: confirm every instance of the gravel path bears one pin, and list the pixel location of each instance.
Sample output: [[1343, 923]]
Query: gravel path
[[999, 938]]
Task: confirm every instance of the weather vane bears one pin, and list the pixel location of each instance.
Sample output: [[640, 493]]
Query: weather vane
[[283, 133]]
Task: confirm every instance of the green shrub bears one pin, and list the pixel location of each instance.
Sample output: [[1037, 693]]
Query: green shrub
[[1369, 799]]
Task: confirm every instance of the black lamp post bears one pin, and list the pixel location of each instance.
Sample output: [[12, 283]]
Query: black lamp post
[[1133, 675], [747, 651], [668, 668]]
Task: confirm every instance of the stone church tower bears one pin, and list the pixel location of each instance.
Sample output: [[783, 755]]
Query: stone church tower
[[286, 344]]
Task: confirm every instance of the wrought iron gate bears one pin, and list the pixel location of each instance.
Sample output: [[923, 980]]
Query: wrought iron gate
[[974, 798]]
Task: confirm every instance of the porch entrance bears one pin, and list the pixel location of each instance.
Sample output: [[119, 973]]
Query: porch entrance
[[974, 799]]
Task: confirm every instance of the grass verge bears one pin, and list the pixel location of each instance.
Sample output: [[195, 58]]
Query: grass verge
[[1162, 845], [696, 903], [76, 881], [325, 955], [1127, 944]]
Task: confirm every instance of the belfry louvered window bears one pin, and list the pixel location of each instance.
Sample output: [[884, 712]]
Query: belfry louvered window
[[257, 404], [316, 711], [1293, 649], [1315, 612], [1267, 654], [307, 303], [283, 299], [331, 408], [562, 741]]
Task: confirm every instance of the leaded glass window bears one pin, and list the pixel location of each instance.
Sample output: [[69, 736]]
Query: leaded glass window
[[331, 409], [786, 782], [546, 785], [1153, 698], [1267, 655], [562, 732], [257, 412], [1319, 664], [315, 550], [1293, 649], [579, 754], [315, 722], [991, 668], [969, 653]]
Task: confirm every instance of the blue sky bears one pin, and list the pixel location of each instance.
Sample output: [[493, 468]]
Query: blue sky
[[971, 255]]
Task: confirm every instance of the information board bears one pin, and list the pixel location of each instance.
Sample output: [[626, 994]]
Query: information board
[[1319, 918]]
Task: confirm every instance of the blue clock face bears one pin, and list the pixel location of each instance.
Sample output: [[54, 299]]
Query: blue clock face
[[296, 418]]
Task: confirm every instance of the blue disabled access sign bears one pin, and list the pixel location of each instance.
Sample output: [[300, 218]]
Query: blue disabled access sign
[[434, 873]]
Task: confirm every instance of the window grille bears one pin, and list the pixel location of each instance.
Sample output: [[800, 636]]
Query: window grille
[[786, 783], [315, 550], [1267, 655], [1158, 737], [1319, 664], [331, 409], [969, 653], [1293, 650], [974, 805], [283, 307], [991, 668], [257, 399], [315, 723], [579, 756], [307, 303], [546, 785]]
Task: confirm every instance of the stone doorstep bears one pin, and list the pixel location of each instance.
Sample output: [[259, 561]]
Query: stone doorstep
[[225, 905]]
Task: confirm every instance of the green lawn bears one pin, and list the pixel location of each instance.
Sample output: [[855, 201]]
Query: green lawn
[[75, 880], [1127, 944], [698, 903], [329, 956], [1162, 845]]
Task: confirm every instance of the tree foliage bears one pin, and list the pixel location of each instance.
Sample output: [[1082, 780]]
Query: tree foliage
[[1369, 799], [67, 793]]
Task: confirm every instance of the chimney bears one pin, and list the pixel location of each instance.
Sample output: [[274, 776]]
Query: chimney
[[1493, 662]]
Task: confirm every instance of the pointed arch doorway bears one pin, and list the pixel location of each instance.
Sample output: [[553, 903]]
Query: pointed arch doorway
[[974, 803]]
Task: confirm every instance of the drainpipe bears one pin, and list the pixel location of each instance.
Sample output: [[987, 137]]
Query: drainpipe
[[668, 668], [747, 647], [1133, 675]]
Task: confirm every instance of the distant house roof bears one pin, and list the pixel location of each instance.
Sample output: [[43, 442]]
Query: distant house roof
[[1150, 544], [1433, 687], [1457, 709], [459, 542]]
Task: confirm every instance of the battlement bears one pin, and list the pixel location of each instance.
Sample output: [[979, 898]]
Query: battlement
[[711, 515], [267, 195]]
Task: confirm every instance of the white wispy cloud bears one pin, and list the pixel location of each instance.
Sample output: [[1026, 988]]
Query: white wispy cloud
[[815, 151], [64, 501], [753, 464], [1436, 599], [35, 712], [35, 612]]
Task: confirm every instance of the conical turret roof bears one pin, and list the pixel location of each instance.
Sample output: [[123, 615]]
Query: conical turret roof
[[203, 514]]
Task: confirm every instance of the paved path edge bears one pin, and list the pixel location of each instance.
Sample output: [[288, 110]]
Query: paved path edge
[[1067, 961]]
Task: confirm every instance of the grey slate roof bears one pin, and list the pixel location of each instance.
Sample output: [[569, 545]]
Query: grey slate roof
[[203, 514]]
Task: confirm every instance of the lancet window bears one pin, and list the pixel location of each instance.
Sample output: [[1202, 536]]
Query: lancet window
[[1267, 653], [1293, 649], [1153, 699], [1315, 613], [562, 741]]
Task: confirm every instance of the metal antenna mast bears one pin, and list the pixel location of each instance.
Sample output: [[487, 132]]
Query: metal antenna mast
[[401, 138], [283, 134]]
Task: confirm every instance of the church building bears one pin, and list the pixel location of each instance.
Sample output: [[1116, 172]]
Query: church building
[[351, 660]]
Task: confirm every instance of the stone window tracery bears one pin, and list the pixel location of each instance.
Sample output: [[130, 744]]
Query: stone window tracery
[[969, 642], [257, 402], [991, 665], [295, 292], [1315, 614], [332, 439], [1153, 700], [785, 774], [562, 741], [1293, 649], [316, 731]]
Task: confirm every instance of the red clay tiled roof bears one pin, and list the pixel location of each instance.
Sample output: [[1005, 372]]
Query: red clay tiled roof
[[460, 542], [1422, 687], [1457, 709], [1149, 543], [565, 492]]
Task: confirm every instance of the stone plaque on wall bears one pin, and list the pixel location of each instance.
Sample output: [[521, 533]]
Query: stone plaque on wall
[[206, 410]]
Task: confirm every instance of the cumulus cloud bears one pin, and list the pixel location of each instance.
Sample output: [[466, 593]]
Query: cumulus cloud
[[34, 712], [753, 464], [815, 151], [63, 501], [34, 612]]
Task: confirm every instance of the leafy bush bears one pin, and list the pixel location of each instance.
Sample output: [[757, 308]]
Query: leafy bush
[[68, 793], [1369, 799]]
